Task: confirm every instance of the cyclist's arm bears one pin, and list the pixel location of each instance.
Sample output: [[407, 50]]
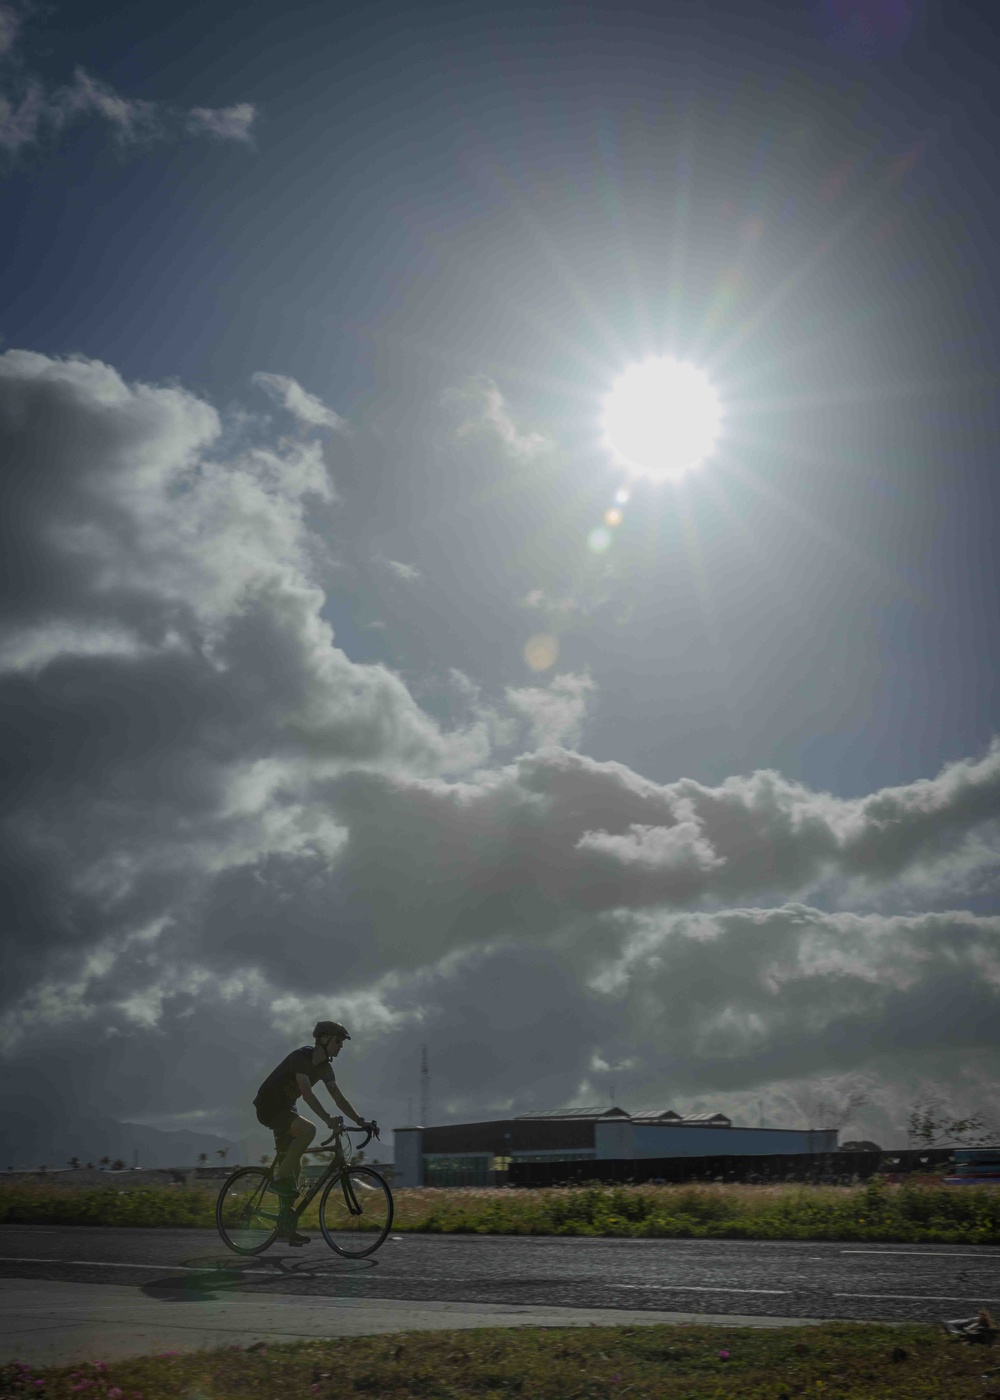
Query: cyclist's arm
[[344, 1104], [305, 1089]]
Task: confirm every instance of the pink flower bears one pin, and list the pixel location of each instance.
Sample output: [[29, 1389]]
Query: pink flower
[[616, 1378], [115, 1394], [82, 1385], [100, 1365], [723, 1355]]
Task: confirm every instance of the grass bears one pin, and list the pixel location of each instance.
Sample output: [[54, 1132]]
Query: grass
[[843, 1360], [920, 1210]]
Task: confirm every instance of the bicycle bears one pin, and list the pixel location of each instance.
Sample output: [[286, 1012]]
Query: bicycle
[[246, 1212]]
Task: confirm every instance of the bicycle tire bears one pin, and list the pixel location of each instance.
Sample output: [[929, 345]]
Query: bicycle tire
[[344, 1232], [243, 1206]]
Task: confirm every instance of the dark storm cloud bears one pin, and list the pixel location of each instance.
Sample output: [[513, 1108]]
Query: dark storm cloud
[[216, 826]]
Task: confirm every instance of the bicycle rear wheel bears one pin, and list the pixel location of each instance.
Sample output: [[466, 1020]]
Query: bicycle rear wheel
[[246, 1213], [355, 1213]]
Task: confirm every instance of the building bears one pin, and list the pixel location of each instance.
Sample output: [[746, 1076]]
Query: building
[[474, 1154]]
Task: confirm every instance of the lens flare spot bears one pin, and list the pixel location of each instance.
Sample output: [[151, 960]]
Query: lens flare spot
[[599, 539], [622, 497], [612, 517], [541, 651]]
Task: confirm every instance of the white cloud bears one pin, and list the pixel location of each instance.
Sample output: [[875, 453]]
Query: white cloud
[[30, 108], [227, 123], [556, 712], [302, 405], [487, 411], [406, 573]]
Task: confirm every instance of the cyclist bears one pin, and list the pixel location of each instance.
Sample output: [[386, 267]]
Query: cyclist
[[275, 1104]]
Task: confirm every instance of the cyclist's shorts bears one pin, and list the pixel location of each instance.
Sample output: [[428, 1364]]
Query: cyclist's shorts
[[279, 1120]]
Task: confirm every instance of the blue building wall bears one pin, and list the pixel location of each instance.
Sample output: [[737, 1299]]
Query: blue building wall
[[623, 1140]]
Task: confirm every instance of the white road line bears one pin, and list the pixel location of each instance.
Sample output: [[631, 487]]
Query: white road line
[[694, 1288], [909, 1254], [113, 1264], [926, 1297]]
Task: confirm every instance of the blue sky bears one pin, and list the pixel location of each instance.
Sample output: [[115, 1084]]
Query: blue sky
[[308, 318]]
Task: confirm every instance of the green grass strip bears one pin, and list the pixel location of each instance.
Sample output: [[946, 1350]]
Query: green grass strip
[[849, 1361], [919, 1211]]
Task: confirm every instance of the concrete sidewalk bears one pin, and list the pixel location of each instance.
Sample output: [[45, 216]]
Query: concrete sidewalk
[[50, 1324]]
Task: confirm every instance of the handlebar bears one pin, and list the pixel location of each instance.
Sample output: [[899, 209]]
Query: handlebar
[[339, 1128]]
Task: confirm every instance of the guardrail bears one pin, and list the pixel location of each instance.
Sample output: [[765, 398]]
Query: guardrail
[[816, 1167]]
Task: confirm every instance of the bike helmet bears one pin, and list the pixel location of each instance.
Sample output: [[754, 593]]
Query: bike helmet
[[325, 1028]]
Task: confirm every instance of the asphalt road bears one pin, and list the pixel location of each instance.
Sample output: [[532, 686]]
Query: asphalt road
[[750, 1278]]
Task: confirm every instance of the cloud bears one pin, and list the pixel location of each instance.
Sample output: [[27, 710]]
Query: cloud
[[227, 123], [555, 712], [215, 825], [10, 25], [486, 412], [406, 573], [30, 108], [304, 406]]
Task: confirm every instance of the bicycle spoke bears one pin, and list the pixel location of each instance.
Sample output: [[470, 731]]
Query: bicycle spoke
[[356, 1212], [246, 1218]]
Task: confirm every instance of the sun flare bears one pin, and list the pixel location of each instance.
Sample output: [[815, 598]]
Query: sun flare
[[661, 419]]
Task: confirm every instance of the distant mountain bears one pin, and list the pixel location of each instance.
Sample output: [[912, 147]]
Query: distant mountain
[[32, 1134]]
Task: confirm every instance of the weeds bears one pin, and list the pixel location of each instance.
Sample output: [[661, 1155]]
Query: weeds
[[852, 1362], [913, 1212]]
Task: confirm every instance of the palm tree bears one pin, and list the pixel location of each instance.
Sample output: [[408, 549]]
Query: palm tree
[[202, 1157], [222, 1153], [74, 1162], [264, 1159], [105, 1161]]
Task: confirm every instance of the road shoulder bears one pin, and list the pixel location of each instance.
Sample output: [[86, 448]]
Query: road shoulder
[[48, 1323]]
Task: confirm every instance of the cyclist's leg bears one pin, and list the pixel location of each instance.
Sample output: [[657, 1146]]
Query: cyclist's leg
[[296, 1137]]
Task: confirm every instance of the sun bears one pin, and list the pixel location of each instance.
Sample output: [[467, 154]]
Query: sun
[[661, 419]]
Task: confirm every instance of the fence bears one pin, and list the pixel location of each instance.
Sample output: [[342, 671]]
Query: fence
[[827, 1167]]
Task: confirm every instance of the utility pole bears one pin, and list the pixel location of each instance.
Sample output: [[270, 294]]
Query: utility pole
[[409, 1113], [760, 1110], [425, 1089]]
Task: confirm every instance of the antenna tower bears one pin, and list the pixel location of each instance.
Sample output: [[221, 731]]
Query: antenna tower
[[425, 1088]]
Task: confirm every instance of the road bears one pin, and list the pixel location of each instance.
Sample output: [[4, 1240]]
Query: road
[[75, 1293], [761, 1279]]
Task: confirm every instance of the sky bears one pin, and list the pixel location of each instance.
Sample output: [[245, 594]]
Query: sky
[[328, 689]]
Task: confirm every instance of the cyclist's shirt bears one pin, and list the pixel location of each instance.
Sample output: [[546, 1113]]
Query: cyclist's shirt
[[279, 1091]]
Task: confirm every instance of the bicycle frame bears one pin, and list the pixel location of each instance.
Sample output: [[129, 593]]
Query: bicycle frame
[[338, 1166]]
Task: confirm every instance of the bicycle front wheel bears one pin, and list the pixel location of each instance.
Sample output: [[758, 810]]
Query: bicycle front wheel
[[355, 1213], [246, 1213]]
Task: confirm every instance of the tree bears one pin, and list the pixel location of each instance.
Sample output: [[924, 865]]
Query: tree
[[118, 1165], [930, 1126], [202, 1157], [222, 1153], [264, 1159], [90, 1165], [74, 1162], [833, 1102], [105, 1161]]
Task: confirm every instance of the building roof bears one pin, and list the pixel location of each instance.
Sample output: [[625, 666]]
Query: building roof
[[656, 1115], [707, 1120], [590, 1112]]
